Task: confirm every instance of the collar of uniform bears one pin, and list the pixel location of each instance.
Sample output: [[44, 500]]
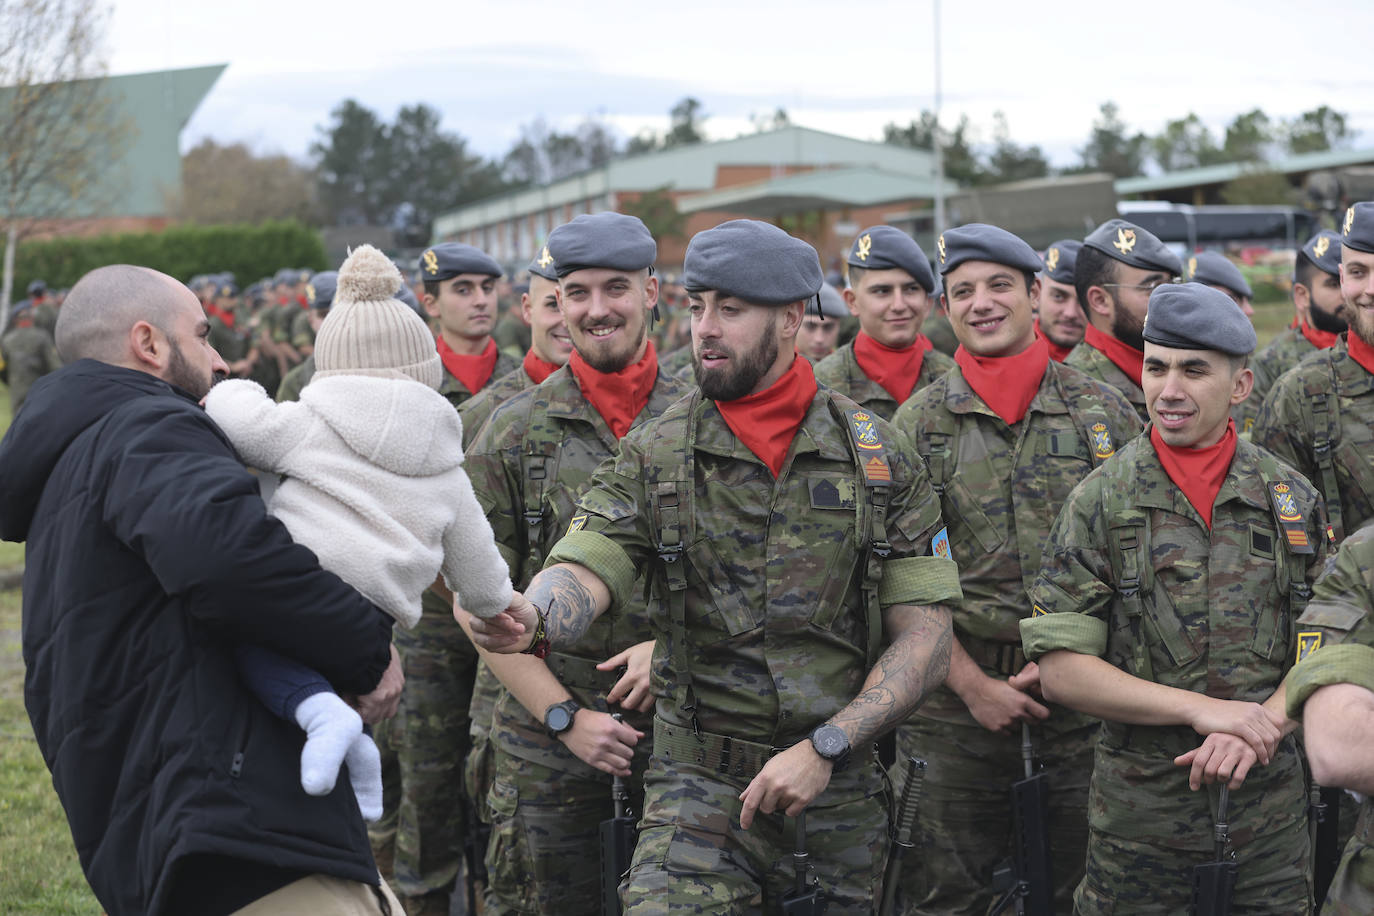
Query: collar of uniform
[[961, 398], [715, 437], [565, 400], [1243, 480], [1352, 379]]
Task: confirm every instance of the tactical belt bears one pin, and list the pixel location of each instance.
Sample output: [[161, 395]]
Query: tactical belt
[[726, 755], [572, 671], [1006, 658]]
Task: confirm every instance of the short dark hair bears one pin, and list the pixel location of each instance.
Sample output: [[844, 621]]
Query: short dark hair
[[1303, 269], [1093, 268], [432, 288], [1030, 279]]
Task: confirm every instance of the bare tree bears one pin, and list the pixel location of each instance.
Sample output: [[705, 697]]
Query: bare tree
[[61, 129], [233, 184]]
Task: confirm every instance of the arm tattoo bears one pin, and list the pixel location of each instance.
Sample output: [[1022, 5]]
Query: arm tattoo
[[566, 601], [914, 665]]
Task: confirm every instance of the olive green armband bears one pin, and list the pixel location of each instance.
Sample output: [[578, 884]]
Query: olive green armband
[[602, 556], [1342, 664], [1075, 632], [919, 580]]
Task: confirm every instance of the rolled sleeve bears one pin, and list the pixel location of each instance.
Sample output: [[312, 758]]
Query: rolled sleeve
[[1075, 632], [603, 557], [919, 580], [1344, 664]]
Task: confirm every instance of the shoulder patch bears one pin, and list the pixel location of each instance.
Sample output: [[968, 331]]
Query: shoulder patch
[[1308, 642], [1290, 517], [939, 545], [1038, 611], [863, 429], [1102, 440], [578, 523]]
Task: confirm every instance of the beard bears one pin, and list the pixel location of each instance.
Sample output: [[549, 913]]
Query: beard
[[1127, 329], [742, 372], [1322, 320], [608, 359], [184, 376]]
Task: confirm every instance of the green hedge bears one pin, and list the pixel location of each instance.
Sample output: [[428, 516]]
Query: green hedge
[[249, 251]]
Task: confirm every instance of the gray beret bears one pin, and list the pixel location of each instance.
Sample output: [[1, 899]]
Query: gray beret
[[319, 292], [1215, 269], [1060, 259], [1357, 230], [1129, 244], [886, 248], [609, 240], [832, 303], [1191, 316], [285, 275], [981, 242], [449, 259], [226, 289], [1324, 251], [407, 295], [543, 266], [753, 261]]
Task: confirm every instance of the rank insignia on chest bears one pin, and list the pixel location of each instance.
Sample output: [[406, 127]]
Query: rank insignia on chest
[[939, 545], [1290, 518], [1102, 440], [876, 469], [1308, 642], [578, 523]]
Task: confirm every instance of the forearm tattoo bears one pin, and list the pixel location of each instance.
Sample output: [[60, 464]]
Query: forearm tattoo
[[568, 604], [914, 665]]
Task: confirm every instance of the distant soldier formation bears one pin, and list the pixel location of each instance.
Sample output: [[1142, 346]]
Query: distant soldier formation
[[795, 547]]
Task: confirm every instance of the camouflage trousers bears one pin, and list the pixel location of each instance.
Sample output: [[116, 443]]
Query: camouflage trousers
[[429, 740], [693, 857], [964, 823], [480, 765], [1352, 890], [545, 853], [1124, 876]]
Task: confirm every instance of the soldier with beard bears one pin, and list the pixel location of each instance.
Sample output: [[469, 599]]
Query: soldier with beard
[[1118, 267], [1060, 320], [796, 599], [1319, 321]]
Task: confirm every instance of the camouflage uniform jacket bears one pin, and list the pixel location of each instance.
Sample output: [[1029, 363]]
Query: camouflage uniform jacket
[[1088, 359], [1131, 573], [840, 370], [772, 573], [477, 410], [28, 355], [528, 465], [1274, 359], [457, 392], [1001, 487], [1336, 646], [301, 334], [1320, 418], [295, 380]]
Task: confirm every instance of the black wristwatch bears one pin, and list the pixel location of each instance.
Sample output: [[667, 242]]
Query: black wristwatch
[[832, 743], [558, 718]]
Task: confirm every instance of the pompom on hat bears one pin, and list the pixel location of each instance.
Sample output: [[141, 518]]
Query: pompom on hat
[[370, 332]]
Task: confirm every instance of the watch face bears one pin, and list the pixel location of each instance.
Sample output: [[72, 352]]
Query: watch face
[[830, 741], [558, 718]]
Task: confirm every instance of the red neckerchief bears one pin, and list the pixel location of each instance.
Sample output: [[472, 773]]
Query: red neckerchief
[[618, 396], [1322, 340], [894, 370], [767, 421], [217, 312], [304, 302], [1124, 356], [473, 371], [1057, 353], [1007, 384], [537, 368], [1198, 472], [23, 321], [1360, 351]]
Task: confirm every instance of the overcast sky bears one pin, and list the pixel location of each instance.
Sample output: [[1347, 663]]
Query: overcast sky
[[843, 66]]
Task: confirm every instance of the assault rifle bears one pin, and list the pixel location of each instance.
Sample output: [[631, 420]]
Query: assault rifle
[[905, 824], [1027, 879], [805, 897], [617, 844], [1215, 882]]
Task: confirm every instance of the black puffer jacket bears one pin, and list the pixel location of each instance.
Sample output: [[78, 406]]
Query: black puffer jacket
[[150, 555]]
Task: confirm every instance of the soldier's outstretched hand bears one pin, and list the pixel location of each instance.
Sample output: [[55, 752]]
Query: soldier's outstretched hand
[[1220, 758], [510, 631], [632, 690], [788, 783], [1248, 721]]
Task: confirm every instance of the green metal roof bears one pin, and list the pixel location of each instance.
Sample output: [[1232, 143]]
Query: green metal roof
[[691, 168], [156, 107], [1229, 171], [823, 189]]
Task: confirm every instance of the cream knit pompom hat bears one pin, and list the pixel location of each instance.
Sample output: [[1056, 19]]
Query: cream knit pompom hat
[[368, 332]]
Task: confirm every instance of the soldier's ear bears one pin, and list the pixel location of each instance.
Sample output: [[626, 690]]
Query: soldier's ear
[[1099, 303]]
